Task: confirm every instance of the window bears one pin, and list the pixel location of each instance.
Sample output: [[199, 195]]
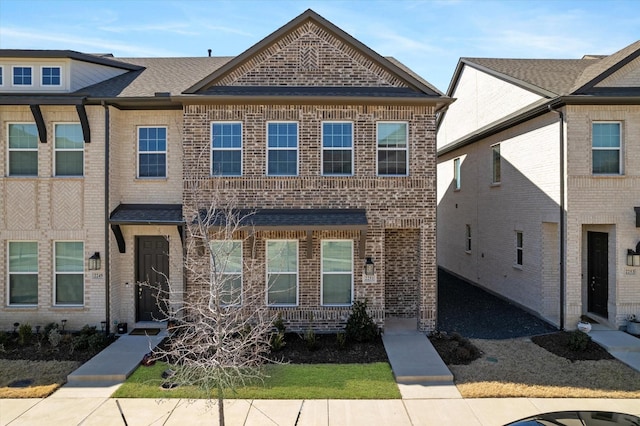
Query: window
[[456, 173], [606, 138], [495, 163], [69, 272], [152, 152], [392, 149], [337, 272], [51, 76], [1, 76], [23, 273], [69, 150], [282, 272], [22, 76], [226, 149], [282, 145], [467, 243], [226, 266], [519, 248], [23, 150], [337, 148]]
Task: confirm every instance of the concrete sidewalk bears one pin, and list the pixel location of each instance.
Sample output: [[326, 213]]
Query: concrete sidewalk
[[450, 412]]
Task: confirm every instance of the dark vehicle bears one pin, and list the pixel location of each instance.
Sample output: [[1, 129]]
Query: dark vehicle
[[579, 418]]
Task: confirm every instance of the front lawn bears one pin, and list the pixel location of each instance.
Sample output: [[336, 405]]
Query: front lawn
[[286, 381]]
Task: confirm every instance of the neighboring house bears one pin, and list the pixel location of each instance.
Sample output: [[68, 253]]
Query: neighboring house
[[330, 146], [539, 183]]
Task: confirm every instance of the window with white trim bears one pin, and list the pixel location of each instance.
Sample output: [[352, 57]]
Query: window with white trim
[[337, 272], [23, 272], [69, 150], [23, 149], [226, 268], [606, 143], [282, 272], [152, 152], [519, 248], [1, 75], [69, 272], [467, 234], [282, 149], [22, 76], [496, 160], [226, 149], [456, 174], [337, 148], [393, 148], [51, 76]]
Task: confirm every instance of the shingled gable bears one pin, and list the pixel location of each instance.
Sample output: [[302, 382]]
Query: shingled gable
[[392, 81]]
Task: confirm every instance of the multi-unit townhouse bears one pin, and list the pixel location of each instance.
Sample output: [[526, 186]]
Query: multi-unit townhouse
[[329, 145], [538, 172]]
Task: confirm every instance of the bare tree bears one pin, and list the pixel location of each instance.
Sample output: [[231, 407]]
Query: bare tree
[[220, 340]]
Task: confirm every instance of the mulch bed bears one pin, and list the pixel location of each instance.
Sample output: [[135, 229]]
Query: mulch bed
[[39, 349], [558, 344], [328, 351]]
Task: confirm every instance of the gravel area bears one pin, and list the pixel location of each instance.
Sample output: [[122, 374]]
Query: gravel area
[[475, 313]]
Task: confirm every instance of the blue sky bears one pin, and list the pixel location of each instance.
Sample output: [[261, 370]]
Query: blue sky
[[429, 36]]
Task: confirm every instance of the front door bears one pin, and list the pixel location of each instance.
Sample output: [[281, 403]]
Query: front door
[[152, 269], [598, 272]]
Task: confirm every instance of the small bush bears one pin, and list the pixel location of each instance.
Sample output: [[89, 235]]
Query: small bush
[[4, 338], [360, 326], [24, 334], [578, 341], [54, 337], [341, 340], [278, 323], [310, 339], [277, 341], [49, 327]]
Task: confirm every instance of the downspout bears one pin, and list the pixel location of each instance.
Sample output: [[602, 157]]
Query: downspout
[[562, 216], [107, 237]]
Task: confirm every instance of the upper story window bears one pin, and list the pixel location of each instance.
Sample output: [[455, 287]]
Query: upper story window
[[606, 148], [467, 242], [282, 272], [23, 150], [496, 159], [22, 76], [69, 150], [337, 148], [282, 149], [69, 272], [51, 76], [393, 146], [1, 75], [226, 149], [152, 152], [23, 273], [226, 267], [456, 174], [337, 272], [519, 248]]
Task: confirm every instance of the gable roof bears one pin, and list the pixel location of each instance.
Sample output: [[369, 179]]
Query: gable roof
[[70, 54]]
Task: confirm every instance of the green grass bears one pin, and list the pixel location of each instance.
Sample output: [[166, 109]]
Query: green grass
[[288, 381]]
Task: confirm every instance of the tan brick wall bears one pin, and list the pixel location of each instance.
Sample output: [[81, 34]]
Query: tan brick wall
[[402, 272]]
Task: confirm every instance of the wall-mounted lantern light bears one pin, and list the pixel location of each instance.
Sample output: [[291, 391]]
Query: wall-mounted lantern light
[[633, 258], [94, 262], [369, 267]]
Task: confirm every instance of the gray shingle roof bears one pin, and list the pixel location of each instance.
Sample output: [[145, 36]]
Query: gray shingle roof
[[128, 214]]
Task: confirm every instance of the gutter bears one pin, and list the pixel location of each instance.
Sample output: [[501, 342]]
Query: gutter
[[562, 215], [107, 237]]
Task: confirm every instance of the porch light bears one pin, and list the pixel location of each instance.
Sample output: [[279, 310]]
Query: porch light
[[369, 267], [633, 258], [94, 262]]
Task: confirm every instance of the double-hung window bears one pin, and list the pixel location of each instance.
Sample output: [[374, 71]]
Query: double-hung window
[[22, 76], [337, 148], [152, 152], [226, 267], [282, 149], [393, 146], [226, 149], [23, 273], [606, 148], [456, 174], [282, 272], [1, 75], [51, 76], [467, 242], [69, 150], [519, 248], [337, 272], [496, 160], [23, 150], [69, 272]]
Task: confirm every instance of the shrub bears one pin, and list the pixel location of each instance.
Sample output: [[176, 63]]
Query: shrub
[[278, 323], [49, 327], [277, 341], [578, 341], [310, 339], [341, 340], [24, 334], [360, 326], [4, 338], [54, 337]]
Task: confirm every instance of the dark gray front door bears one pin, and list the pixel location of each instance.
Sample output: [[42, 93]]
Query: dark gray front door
[[152, 267], [598, 272]]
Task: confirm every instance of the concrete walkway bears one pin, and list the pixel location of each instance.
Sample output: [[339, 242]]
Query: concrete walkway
[[621, 345]]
